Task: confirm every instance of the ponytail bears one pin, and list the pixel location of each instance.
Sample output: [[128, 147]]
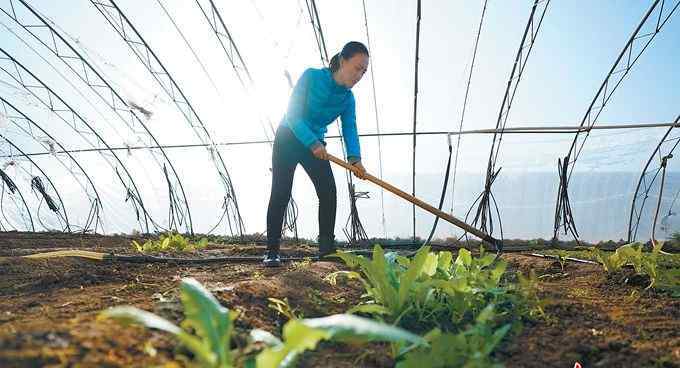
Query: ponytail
[[334, 65]]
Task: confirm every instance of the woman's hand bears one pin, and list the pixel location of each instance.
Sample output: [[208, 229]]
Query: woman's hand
[[319, 152], [360, 170]]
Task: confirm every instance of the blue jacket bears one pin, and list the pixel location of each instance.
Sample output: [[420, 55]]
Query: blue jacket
[[317, 100]]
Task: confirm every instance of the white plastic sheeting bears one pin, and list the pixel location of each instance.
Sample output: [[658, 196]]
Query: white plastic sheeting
[[575, 48]]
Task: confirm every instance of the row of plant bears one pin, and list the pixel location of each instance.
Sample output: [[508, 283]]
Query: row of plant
[[464, 308], [169, 242], [434, 311], [662, 269], [208, 327]]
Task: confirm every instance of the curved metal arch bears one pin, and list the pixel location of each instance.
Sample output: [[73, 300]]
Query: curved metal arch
[[636, 212], [318, 32], [133, 193], [414, 137], [377, 122], [135, 41], [90, 76], [96, 203], [63, 206], [30, 217], [484, 211], [618, 72], [234, 58], [664, 219], [221, 31]]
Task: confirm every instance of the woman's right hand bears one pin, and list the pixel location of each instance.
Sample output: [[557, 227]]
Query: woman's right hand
[[320, 152]]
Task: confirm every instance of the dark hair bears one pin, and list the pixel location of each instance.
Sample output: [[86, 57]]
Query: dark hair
[[350, 49]]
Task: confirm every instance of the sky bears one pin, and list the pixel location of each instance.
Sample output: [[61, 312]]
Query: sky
[[575, 47]]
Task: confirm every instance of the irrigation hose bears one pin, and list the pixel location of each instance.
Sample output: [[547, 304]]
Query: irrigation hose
[[577, 260], [111, 257]]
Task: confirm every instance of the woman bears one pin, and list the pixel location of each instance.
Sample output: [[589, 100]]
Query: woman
[[319, 97]]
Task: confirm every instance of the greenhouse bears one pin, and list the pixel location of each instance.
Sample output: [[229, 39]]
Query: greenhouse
[[308, 183]]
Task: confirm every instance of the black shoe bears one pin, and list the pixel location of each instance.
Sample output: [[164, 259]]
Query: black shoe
[[327, 252], [272, 259], [326, 246]]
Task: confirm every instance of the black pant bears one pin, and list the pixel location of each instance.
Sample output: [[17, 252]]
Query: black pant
[[287, 153]]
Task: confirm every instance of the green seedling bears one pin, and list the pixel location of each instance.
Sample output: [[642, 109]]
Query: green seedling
[[470, 348], [169, 242], [208, 328], [631, 255], [283, 308]]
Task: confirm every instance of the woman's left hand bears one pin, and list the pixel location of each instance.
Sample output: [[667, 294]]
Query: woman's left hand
[[360, 170]]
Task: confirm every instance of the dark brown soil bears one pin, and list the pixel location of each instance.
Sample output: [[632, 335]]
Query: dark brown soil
[[48, 309], [596, 319]]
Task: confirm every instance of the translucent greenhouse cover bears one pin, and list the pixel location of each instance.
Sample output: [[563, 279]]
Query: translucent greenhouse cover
[[574, 50]]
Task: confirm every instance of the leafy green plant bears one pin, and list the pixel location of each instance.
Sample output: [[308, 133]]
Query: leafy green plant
[[669, 281], [169, 242], [483, 272], [562, 258], [430, 290], [469, 348], [283, 308], [527, 290], [212, 324], [631, 255], [305, 334], [208, 327], [467, 286], [388, 283]]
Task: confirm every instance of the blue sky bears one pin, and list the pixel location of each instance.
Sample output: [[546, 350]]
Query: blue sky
[[575, 48]]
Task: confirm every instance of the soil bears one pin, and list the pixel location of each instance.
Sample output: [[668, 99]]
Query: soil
[[49, 307]]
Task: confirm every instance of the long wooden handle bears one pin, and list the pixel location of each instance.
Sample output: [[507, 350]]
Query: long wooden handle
[[461, 224]]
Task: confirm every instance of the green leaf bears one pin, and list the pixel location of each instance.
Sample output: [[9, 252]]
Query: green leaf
[[343, 326], [464, 257], [297, 338], [211, 321], [131, 315], [470, 348], [250, 363], [332, 277], [138, 247], [258, 335], [409, 277], [486, 315], [445, 259], [301, 335], [630, 254], [305, 334], [607, 261], [497, 272], [369, 309], [148, 246], [351, 260], [403, 261], [165, 244], [431, 263], [384, 285], [486, 260], [203, 243], [498, 336]]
